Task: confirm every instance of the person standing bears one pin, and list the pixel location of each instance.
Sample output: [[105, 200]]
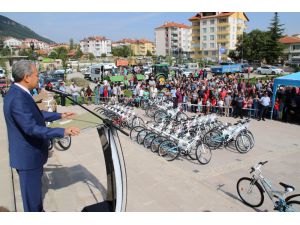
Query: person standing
[[265, 102], [28, 135], [227, 103], [74, 91], [62, 88]]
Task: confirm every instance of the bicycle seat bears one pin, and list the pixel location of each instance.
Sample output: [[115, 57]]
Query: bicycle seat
[[286, 186]]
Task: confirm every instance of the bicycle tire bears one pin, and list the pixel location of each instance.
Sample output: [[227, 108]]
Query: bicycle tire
[[240, 143], [134, 132], [181, 116], [169, 150], [148, 139], [209, 137], [203, 153], [249, 182], [50, 146], [159, 116], [293, 206], [64, 143], [156, 142], [137, 121], [141, 136]]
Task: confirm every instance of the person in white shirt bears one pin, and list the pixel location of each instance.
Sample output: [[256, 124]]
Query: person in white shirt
[[74, 91], [265, 102], [221, 106]]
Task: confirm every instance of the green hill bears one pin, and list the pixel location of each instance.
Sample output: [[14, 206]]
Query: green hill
[[10, 28]]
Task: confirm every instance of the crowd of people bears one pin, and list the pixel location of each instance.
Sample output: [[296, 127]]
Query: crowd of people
[[227, 95]]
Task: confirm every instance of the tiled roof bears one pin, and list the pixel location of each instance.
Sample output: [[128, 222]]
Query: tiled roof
[[94, 38], [289, 40], [172, 24], [222, 14]]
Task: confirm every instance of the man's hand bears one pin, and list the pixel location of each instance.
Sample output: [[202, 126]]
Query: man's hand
[[72, 131], [67, 115]]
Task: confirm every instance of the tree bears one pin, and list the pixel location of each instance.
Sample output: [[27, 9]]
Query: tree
[[53, 55], [72, 44], [91, 56], [103, 55], [275, 48], [123, 51], [79, 54], [149, 53]]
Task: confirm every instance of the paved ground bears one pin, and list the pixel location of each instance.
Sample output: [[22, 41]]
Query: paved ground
[[76, 177]]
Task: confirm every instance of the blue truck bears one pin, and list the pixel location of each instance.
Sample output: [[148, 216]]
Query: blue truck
[[226, 69]]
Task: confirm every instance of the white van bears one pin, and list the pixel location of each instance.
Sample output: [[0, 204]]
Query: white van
[[96, 70], [192, 66]]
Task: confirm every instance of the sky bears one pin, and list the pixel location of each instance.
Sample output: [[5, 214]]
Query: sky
[[60, 27]]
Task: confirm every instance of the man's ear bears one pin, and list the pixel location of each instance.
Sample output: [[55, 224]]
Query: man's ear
[[26, 78]]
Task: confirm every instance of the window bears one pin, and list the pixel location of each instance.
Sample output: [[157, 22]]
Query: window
[[223, 28], [212, 22], [212, 45], [204, 38], [204, 22], [212, 37], [222, 36], [212, 29], [204, 30], [205, 52], [204, 45]]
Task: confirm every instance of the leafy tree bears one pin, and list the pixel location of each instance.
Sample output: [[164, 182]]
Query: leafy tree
[[91, 56], [149, 53], [72, 44], [103, 55], [53, 55], [78, 54], [123, 51]]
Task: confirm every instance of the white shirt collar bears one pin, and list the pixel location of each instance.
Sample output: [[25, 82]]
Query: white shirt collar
[[24, 88]]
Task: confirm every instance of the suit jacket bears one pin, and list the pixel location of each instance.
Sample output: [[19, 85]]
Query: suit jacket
[[28, 135]]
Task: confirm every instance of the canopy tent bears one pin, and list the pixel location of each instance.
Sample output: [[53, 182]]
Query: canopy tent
[[288, 80]]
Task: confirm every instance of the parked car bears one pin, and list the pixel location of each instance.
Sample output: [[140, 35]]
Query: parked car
[[187, 72], [2, 73], [245, 68], [269, 70], [207, 68]]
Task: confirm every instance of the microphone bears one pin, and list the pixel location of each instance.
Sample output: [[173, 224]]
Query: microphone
[[59, 92]]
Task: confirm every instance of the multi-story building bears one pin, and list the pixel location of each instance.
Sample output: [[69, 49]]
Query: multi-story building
[[214, 34], [142, 46], [123, 42], [97, 45], [173, 39], [12, 42], [38, 45], [292, 46]]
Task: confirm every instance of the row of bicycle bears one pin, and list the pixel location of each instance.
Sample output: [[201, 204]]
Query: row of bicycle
[[195, 137]]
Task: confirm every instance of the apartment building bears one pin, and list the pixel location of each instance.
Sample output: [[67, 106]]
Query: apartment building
[[12, 42], [292, 47], [214, 34], [96, 45], [38, 45], [172, 39], [142, 46]]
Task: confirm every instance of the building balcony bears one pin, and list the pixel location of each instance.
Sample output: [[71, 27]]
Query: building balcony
[[223, 32], [195, 34], [223, 24], [223, 40], [196, 27]]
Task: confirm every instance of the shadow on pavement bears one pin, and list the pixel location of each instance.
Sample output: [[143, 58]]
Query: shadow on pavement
[[57, 177], [220, 188]]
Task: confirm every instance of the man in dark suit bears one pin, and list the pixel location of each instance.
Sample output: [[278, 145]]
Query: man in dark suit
[[28, 135]]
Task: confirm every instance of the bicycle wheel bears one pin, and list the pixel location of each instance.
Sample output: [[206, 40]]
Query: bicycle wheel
[[148, 139], [293, 206], [252, 138], [151, 111], [160, 116], [50, 146], [213, 139], [141, 135], [243, 143], [137, 121], [250, 192], [156, 142], [169, 150], [181, 116], [192, 151], [134, 132], [64, 143], [203, 153]]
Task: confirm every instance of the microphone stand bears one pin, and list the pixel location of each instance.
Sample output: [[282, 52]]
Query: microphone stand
[[116, 198]]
